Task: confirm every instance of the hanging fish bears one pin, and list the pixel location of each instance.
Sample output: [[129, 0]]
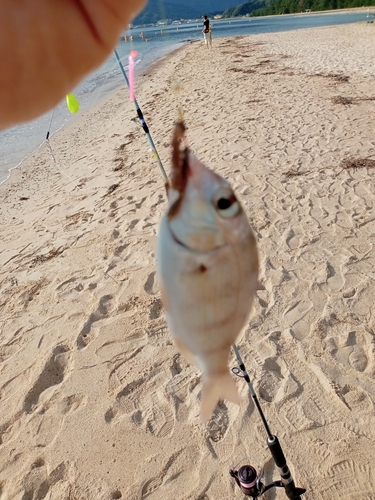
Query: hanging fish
[[208, 268]]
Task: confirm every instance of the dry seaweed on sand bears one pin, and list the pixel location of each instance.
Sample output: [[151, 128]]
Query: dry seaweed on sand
[[111, 189], [334, 76], [119, 165], [294, 173], [338, 99], [350, 100], [39, 259], [357, 163]]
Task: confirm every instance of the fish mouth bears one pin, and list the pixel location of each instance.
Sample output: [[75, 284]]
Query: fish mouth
[[190, 249]]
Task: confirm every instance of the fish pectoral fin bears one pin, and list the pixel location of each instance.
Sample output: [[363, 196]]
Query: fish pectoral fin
[[217, 387], [188, 355]]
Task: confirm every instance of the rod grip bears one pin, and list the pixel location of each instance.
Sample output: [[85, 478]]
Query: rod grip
[[276, 451]]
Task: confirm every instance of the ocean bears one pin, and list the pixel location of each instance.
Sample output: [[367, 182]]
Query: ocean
[[18, 142]]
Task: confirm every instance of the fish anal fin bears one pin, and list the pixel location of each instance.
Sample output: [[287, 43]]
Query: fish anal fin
[[217, 387]]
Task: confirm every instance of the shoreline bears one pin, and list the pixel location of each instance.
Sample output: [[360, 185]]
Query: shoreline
[[97, 402]]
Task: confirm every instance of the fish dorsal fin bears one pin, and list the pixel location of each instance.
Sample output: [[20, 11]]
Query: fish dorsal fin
[[180, 158], [180, 169]]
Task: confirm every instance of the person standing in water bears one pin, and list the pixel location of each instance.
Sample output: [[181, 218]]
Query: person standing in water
[[207, 32]]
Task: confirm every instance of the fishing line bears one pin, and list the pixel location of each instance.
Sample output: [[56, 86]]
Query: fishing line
[[72, 180], [60, 170], [50, 123]]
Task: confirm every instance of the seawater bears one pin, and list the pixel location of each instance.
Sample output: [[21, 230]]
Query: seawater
[[18, 142]]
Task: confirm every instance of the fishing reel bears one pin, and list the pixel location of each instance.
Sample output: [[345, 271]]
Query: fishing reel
[[250, 482]]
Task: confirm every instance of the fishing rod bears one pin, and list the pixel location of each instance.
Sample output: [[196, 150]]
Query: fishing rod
[[247, 477], [142, 120]]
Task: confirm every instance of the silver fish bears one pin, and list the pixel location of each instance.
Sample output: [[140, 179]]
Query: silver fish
[[208, 269]]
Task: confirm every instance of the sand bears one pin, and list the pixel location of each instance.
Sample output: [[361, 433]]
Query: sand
[[96, 402]]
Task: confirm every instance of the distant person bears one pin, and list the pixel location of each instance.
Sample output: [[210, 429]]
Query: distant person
[[207, 32]]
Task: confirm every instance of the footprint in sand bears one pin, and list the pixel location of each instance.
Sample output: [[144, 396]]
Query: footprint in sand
[[312, 412], [217, 427], [38, 483], [52, 374], [180, 390], [140, 203], [46, 423], [348, 294], [354, 349], [289, 389], [133, 224], [158, 333], [151, 286], [293, 240], [149, 410], [72, 403], [299, 316], [334, 279], [346, 479], [362, 301], [357, 400], [273, 372], [86, 335], [174, 463], [71, 288], [156, 309], [142, 397], [159, 418]]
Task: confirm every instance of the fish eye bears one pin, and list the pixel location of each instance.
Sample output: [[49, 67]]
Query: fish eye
[[227, 205]]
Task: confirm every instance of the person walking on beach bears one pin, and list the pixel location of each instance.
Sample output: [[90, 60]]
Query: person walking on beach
[[207, 32]]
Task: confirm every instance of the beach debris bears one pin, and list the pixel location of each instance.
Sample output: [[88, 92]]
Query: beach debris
[[208, 269], [346, 101], [357, 163], [111, 189], [294, 173], [39, 259], [120, 164], [72, 103], [337, 77]]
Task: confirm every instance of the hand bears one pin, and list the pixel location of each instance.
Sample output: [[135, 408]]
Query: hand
[[47, 47]]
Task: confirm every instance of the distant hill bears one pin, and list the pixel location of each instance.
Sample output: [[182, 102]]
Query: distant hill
[[271, 7], [246, 8], [156, 10]]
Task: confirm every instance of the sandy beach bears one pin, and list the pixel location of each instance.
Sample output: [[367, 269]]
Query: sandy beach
[[96, 401]]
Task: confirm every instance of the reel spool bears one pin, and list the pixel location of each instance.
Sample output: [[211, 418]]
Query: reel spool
[[249, 480]]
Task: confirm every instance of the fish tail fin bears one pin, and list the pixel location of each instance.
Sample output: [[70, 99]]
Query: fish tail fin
[[217, 387]]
